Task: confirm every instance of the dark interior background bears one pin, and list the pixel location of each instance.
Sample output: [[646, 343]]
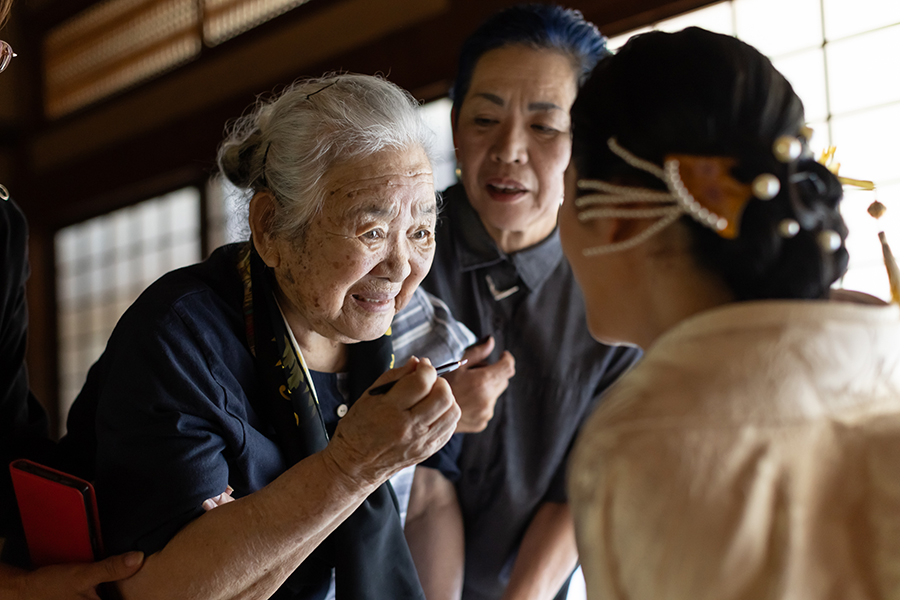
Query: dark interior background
[[162, 135]]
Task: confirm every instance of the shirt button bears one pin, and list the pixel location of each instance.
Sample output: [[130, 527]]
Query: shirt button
[[341, 411]]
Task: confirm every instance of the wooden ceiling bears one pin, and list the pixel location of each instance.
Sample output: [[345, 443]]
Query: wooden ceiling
[[163, 134]]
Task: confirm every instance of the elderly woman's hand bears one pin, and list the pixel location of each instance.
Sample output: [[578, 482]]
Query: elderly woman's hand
[[384, 433]]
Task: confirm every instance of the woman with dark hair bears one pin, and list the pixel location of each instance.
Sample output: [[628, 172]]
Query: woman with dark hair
[[500, 268], [753, 453]]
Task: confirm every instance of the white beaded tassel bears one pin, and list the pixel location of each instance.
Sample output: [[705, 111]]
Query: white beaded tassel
[[620, 194], [611, 194], [700, 214], [634, 161], [636, 240]]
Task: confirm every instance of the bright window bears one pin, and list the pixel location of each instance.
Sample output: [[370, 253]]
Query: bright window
[[437, 115], [104, 264]]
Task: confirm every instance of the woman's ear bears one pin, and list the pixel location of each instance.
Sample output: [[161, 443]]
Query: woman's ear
[[608, 231], [621, 230], [262, 215]]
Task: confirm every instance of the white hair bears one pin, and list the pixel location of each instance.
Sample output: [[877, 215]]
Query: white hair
[[287, 144]]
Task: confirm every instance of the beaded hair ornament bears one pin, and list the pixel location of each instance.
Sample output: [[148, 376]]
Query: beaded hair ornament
[[699, 186]]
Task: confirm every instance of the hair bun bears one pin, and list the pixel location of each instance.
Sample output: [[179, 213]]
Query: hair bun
[[239, 154]]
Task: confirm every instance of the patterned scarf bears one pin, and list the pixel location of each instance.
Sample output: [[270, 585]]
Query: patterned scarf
[[368, 551]]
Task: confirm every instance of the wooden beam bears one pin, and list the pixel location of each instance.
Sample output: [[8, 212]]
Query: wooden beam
[[615, 18], [251, 67]]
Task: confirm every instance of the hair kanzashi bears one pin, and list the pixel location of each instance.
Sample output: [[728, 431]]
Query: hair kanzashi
[[288, 143], [704, 94], [538, 26]]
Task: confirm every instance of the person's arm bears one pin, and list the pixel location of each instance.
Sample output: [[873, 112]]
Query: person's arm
[[547, 555], [434, 532], [66, 582], [23, 422], [247, 548]]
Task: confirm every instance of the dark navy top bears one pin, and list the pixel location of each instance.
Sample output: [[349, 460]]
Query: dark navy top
[[332, 396], [23, 423]]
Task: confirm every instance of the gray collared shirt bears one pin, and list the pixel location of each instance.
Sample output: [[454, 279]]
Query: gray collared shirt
[[530, 303]]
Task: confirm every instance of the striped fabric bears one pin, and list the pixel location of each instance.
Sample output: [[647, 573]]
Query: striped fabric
[[426, 329]]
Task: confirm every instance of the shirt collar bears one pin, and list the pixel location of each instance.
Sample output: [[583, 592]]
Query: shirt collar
[[476, 249]]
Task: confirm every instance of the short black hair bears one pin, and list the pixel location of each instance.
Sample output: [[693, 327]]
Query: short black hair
[[539, 26]]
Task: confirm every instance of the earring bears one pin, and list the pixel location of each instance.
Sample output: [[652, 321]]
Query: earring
[[458, 172]]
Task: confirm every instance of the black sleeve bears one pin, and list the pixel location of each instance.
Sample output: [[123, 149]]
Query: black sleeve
[[446, 460], [160, 452], [23, 423]]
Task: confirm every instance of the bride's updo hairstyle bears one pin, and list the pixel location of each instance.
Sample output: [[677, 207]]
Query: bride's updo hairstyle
[[286, 144], [703, 94]]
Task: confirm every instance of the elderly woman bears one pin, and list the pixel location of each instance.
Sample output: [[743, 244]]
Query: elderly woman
[[500, 268], [242, 371], [754, 451]]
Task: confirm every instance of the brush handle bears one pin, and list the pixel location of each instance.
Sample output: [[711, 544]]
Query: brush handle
[[441, 370]]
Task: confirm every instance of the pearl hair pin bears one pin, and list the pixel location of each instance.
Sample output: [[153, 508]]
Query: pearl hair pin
[[765, 186], [787, 148], [721, 202], [829, 241], [699, 186], [788, 228]]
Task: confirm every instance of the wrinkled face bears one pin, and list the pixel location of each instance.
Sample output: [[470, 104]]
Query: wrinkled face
[[513, 141], [366, 252]]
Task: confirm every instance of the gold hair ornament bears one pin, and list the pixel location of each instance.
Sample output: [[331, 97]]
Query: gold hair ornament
[[828, 160], [699, 186], [877, 210], [702, 187]]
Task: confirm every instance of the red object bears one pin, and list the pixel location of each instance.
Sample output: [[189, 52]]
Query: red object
[[59, 515]]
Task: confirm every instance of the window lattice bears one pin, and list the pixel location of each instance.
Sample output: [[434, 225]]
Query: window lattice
[[104, 264], [116, 44], [225, 19]]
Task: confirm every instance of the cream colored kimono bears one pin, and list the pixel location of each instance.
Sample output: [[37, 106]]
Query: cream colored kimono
[[753, 453]]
